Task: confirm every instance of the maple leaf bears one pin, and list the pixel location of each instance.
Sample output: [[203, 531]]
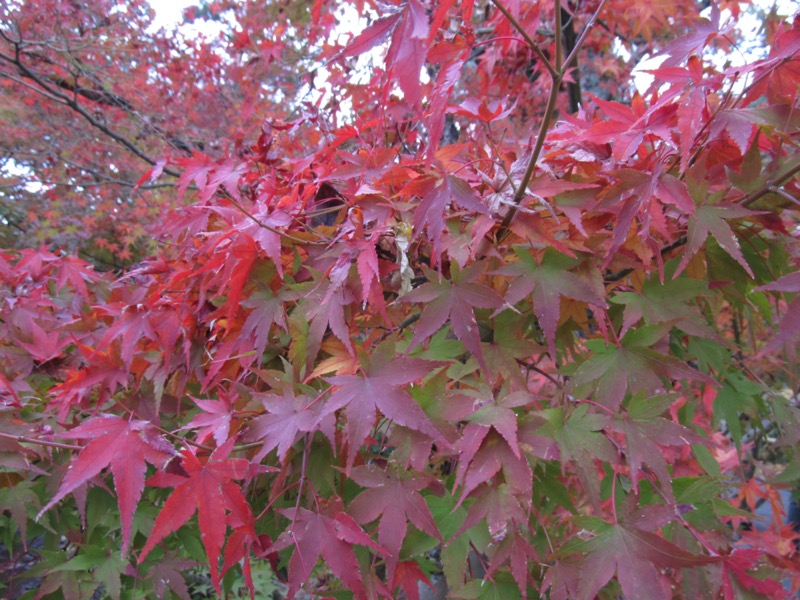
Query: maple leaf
[[289, 416], [580, 439], [122, 445], [633, 554], [645, 432], [76, 272], [789, 327], [196, 169], [501, 509], [226, 174], [380, 389], [166, 575], [631, 197], [409, 30], [453, 299], [214, 420], [515, 549], [324, 307], [482, 454], [132, 324], [631, 367], [409, 48], [547, 281], [624, 127], [702, 33], [373, 35], [207, 489], [738, 566], [152, 174], [264, 227], [44, 346], [267, 309], [452, 56], [436, 198], [666, 302], [17, 501], [408, 576], [483, 110], [330, 533], [394, 497], [711, 219]]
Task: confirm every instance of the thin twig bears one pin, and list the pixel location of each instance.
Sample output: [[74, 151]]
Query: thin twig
[[582, 38], [776, 181], [72, 103], [27, 440], [532, 44]]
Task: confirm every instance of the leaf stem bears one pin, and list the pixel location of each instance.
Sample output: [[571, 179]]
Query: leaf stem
[[542, 372], [614, 491], [275, 498], [263, 225]]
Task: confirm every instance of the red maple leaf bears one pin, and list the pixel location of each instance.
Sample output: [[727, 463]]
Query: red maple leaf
[[409, 46], [208, 489], [122, 445], [214, 420], [739, 567], [633, 554], [408, 576], [436, 197], [789, 328]]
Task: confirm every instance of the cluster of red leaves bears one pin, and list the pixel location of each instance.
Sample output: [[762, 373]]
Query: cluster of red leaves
[[519, 346]]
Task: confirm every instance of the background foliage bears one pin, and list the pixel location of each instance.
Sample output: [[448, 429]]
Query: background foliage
[[289, 306]]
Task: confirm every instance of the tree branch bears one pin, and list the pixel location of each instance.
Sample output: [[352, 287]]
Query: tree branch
[[55, 94], [557, 77]]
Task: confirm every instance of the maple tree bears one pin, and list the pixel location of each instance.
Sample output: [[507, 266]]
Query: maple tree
[[365, 308]]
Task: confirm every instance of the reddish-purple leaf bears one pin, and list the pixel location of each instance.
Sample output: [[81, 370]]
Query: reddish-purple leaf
[[288, 417], [547, 281], [436, 200], [711, 219], [331, 534], [454, 299], [395, 498], [380, 389], [373, 35]]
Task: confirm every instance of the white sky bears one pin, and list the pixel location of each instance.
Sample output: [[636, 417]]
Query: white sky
[[169, 12]]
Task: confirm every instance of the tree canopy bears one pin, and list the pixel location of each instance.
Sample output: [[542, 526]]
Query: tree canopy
[[352, 296]]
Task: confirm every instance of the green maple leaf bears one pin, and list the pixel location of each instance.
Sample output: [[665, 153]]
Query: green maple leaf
[[666, 302], [580, 440]]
